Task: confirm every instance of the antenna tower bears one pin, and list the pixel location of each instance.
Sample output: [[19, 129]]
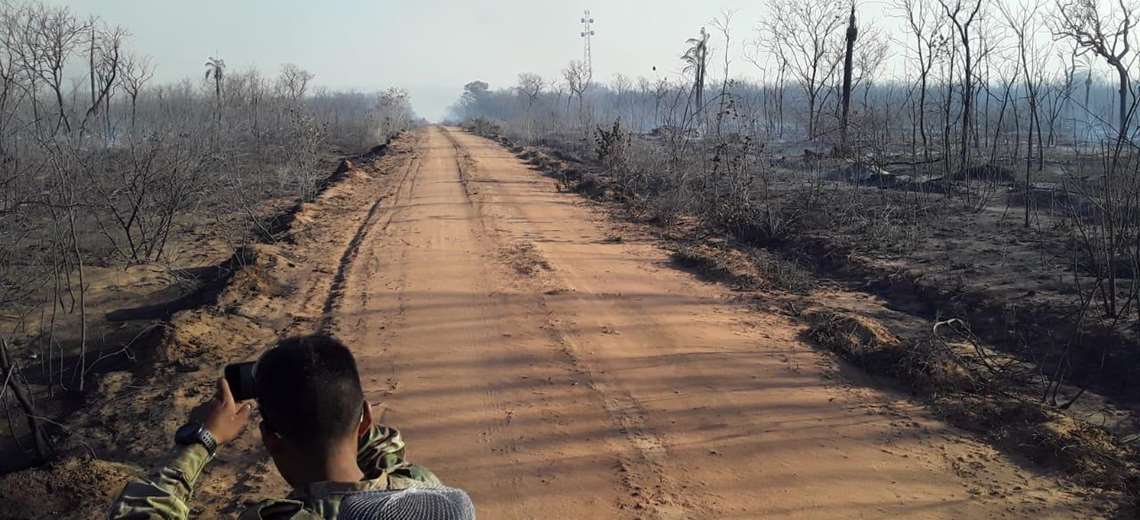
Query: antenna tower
[[587, 34]]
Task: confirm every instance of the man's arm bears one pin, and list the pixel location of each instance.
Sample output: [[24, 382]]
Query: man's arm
[[167, 495], [381, 452]]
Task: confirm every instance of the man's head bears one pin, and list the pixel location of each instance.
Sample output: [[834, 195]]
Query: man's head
[[312, 405]]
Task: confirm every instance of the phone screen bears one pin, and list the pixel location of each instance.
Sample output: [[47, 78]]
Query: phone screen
[[240, 378]]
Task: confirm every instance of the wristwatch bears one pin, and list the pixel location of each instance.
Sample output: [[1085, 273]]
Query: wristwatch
[[196, 433]]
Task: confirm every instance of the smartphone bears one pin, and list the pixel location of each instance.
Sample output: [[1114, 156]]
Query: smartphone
[[240, 378]]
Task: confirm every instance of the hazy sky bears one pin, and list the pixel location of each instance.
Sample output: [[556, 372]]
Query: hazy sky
[[430, 47], [433, 47]]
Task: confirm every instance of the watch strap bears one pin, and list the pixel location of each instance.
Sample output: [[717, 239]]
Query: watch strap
[[197, 433], [208, 441]]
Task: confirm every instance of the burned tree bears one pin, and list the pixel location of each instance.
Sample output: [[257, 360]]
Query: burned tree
[[852, 33], [137, 71], [696, 60], [927, 27], [801, 34], [1103, 31], [578, 76], [1023, 21], [962, 17]]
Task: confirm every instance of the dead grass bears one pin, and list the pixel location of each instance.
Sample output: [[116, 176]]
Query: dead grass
[[744, 268]]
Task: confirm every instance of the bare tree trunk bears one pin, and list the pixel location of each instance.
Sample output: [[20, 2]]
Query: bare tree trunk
[[82, 294], [1029, 157], [811, 116], [91, 62], [922, 117], [946, 111], [967, 98], [852, 32], [1123, 92], [780, 99]]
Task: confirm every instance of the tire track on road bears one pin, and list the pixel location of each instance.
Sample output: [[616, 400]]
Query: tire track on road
[[404, 186]]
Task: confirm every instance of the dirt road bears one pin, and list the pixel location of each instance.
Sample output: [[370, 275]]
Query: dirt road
[[558, 367]]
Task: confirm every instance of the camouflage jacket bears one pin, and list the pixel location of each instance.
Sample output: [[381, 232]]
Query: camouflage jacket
[[167, 496]]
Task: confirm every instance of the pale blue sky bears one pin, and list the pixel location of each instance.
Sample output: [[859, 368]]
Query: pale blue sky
[[431, 47]]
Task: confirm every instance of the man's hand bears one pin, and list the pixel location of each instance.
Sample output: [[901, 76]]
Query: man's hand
[[221, 415]]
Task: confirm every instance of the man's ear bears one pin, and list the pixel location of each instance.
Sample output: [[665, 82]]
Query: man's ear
[[365, 420]]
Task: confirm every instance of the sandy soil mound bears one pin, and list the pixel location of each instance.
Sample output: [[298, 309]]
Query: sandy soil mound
[[78, 487]]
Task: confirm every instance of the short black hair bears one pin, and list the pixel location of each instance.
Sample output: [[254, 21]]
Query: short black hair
[[308, 390]]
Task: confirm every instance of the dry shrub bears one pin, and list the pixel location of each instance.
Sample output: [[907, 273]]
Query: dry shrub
[[751, 222], [883, 231], [612, 148], [665, 209], [858, 338], [930, 366], [1084, 450], [483, 126], [785, 274], [590, 185]]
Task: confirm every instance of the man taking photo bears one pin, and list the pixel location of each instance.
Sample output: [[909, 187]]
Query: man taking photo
[[319, 431]]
